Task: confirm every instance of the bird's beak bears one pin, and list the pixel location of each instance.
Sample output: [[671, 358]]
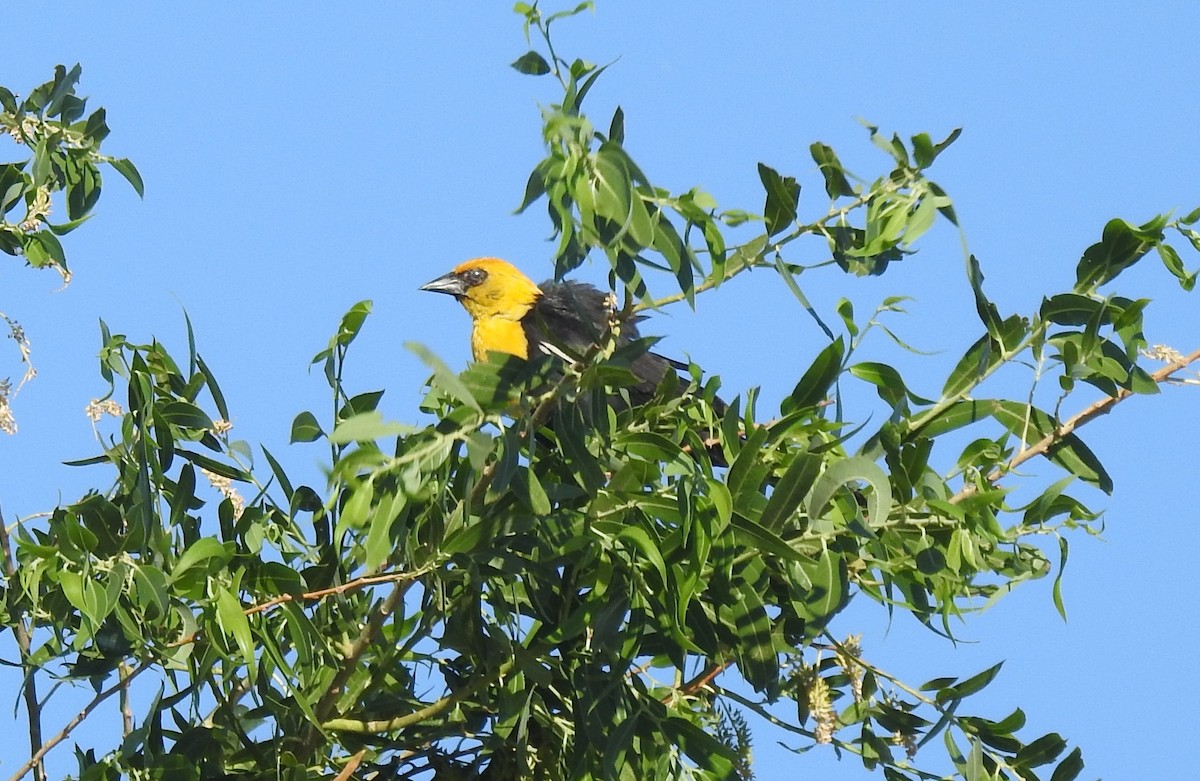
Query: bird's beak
[[450, 284]]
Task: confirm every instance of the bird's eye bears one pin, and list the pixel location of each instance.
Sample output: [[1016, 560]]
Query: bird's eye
[[474, 276]]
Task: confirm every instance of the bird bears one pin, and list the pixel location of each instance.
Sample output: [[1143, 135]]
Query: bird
[[511, 314]]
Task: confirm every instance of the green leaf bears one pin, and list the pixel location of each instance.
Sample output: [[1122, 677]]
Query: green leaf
[[444, 379], [1042, 751], [989, 315], [1072, 309], [925, 151], [531, 493], [531, 64], [828, 593], [1120, 246], [213, 389], [535, 186], [783, 198], [757, 658], [790, 491], [1062, 566], [971, 685], [43, 249], [888, 382], [1068, 450], [722, 500], [126, 168], [235, 624], [814, 386], [851, 471], [747, 473], [364, 427], [984, 356], [214, 466], [305, 428], [641, 540], [352, 323], [185, 415], [1070, 768], [836, 183], [201, 551], [1174, 263], [752, 535], [616, 128], [378, 546]]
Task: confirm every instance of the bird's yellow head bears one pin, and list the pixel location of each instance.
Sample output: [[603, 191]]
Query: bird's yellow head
[[496, 295]]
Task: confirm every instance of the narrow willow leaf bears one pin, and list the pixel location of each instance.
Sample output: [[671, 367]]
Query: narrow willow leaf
[[234, 624], [200, 551], [751, 535], [813, 387], [367, 426], [1068, 451], [536, 185], [126, 168], [616, 128], [1070, 768], [280, 475], [1120, 246], [829, 592], [213, 389], [531, 493], [783, 197], [790, 491], [749, 622], [836, 183], [641, 540], [852, 471], [1062, 566], [971, 685], [984, 356], [352, 322], [1042, 751], [185, 415], [444, 379]]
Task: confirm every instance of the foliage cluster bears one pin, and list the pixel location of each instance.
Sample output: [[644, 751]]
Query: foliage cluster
[[64, 158]]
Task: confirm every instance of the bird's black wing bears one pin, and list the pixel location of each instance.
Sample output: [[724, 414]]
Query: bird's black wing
[[571, 316]]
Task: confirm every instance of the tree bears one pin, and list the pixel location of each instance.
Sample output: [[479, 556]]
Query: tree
[[540, 585]]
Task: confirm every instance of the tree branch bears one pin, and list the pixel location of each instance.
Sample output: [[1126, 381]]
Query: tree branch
[[1095, 410], [429, 711], [36, 759], [24, 642]]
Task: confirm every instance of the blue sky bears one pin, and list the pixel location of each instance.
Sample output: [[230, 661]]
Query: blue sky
[[301, 157]]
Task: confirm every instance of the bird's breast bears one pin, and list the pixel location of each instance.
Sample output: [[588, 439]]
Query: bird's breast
[[498, 334]]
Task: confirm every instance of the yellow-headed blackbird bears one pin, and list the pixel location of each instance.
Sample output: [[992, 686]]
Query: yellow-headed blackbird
[[510, 314]]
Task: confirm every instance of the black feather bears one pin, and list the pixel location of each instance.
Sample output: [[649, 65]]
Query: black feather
[[570, 317]]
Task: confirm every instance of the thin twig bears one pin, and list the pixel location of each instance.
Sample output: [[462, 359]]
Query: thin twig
[[429, 711], [357, 583], [1093, 411], [24, 643], [36, 759], [699, 682], [349, 663]]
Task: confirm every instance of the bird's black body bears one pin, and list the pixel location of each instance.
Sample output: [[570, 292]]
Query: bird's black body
[[570, 317]]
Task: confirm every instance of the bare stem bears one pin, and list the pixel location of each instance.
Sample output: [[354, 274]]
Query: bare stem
[[21, 631], [36, 759]]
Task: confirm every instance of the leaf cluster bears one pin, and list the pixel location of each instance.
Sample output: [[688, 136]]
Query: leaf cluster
[[64, 156]]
